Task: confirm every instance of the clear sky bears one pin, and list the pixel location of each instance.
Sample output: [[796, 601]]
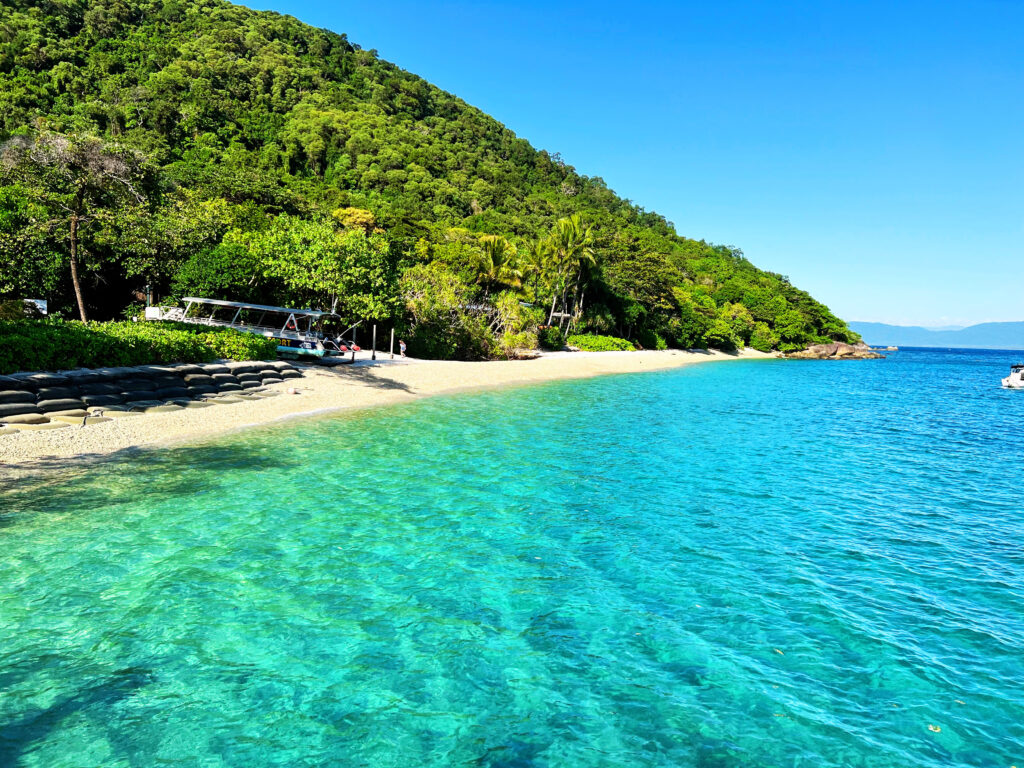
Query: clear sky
[[872, 151]]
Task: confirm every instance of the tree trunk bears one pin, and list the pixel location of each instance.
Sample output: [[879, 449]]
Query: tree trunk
[[74, 267], [551, 314]]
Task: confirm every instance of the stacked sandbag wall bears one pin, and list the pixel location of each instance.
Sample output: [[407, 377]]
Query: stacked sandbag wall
[[35, 398]]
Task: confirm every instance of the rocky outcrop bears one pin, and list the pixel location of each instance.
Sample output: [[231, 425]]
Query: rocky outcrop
[[837, 350]]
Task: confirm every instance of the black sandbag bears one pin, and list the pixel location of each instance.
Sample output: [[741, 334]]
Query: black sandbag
[[186, 369], [40, 380], [225, 377], [169, 393], [130, 395], [63, 404], [56, 393], [290, 374], [198, 379], [17, 396], [228, 387], [212, 368], [100, 388], [91, 400], [135, 382], [14, 409], [201, 389], [251, 384], [82, 376], [272, 380], [164, 382]]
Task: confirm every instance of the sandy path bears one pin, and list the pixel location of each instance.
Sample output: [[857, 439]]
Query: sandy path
[[321, 390]]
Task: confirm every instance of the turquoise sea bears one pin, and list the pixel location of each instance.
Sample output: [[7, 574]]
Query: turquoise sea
[[742, 564]]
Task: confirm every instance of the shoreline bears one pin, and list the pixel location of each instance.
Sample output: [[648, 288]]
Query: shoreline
[[324, 391]]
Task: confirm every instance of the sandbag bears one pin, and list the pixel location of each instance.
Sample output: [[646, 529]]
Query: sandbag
[[40, 380], [165, 382], [63, 404], [26, 418], [91, 400], [171, 392], [56, 393], [13, 409], [136, 383], [99, 388], [17, 396], [131, 395]]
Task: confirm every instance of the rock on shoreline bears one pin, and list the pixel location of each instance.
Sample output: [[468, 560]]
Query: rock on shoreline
[[837, 350]]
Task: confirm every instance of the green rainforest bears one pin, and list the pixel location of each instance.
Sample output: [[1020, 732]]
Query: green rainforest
[[194, 147]]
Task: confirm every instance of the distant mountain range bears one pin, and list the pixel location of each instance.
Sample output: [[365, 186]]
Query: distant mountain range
[[982, 336]]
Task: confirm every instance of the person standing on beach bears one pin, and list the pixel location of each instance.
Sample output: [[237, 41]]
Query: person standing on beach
[[401, 347]]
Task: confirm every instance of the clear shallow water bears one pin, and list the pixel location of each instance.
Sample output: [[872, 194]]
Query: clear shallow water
[[747, 564]]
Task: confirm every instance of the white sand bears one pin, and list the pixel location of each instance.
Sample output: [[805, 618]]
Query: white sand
[[323, 390]]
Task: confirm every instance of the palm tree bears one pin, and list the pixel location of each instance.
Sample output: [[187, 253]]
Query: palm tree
[[497, 264], [572, 247]]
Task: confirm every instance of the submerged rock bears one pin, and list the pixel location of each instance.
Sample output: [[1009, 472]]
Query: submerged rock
[[837, 350]]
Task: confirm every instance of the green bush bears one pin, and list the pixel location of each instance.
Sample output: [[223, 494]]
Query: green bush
[[721, 336], [550, 337], [763, 338], [513, 345], [41, 345], [588, 343], [648, 339]]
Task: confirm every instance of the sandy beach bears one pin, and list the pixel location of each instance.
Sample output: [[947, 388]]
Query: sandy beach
[[322, 390]]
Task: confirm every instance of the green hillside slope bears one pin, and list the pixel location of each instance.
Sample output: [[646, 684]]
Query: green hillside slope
[[201, 147]]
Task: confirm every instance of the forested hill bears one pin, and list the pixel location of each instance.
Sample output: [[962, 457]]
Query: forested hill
[[196, 146]]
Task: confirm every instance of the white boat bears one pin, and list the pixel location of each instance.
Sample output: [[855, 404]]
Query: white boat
[[298, 331], [1016, 378]]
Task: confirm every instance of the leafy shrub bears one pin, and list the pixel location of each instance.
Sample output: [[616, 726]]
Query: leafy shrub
[[589, 343], [512, 345], [763, 338], [649, 339], [441, 326], [550, 337], [721, 336], [34, 345]]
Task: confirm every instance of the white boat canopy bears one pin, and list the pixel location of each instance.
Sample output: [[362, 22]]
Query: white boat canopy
[[257, 307]]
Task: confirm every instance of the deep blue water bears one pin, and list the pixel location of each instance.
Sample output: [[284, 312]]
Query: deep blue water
[[747, 564]]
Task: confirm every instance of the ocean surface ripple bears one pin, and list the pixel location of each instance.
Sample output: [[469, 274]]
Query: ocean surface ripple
[[746, 564]]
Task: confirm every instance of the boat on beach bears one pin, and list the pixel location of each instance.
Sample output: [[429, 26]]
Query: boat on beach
[[298, 331], [1016, 378]]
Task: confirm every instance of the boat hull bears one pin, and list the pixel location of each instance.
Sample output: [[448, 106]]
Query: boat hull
[[304, 348]]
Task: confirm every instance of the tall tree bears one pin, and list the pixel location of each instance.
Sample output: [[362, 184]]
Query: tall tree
[[572, 257], [497, 265], [79, 181]]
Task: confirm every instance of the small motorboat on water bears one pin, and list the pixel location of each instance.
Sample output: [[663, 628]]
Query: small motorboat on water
[[1016, 378]]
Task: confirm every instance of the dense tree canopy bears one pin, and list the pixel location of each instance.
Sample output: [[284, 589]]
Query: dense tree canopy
[[283, 163]]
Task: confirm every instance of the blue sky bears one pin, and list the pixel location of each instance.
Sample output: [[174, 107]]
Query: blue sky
[[872, 151]]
